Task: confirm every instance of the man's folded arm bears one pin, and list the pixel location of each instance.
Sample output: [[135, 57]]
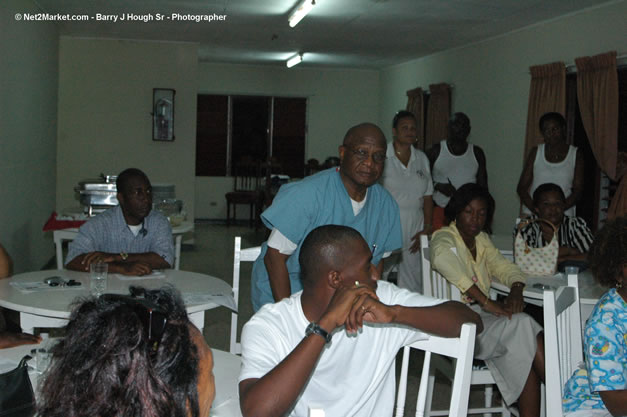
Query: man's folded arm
[[115, 261], [443, 320], [275, 393], [154, 260]]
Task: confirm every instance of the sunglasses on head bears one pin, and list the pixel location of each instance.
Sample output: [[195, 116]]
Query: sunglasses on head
[[153, 318]]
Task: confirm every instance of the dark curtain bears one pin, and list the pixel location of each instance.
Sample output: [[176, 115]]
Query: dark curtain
[[415, 103], [597, 93], [438, 113], [547, 93]]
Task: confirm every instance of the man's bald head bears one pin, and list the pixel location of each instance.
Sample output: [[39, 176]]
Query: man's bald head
[[356, 135], [324, 249]]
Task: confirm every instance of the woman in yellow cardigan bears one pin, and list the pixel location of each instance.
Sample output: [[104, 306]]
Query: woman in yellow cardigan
[[511, 343]]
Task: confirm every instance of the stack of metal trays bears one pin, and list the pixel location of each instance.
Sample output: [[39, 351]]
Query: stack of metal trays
[[163, 192], [97, 195]]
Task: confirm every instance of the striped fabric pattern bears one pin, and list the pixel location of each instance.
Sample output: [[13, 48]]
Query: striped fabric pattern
[[573, 232]]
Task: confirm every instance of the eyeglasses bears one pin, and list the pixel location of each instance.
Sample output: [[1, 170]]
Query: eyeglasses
[[153, 318], [136, 192], [362, 155]]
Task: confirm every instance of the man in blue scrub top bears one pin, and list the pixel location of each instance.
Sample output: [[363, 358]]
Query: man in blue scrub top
[[348, 196]]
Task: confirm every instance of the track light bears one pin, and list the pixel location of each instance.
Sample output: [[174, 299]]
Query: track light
[[301, 11], [295, 60]]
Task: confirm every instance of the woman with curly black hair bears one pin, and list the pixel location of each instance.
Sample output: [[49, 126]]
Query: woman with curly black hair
[[601, 387], [132, 357]]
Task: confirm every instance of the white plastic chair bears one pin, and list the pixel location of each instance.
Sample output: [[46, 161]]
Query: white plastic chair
[[59, 237], [177, 251], [239, 255], [316, 412], [462, 349], [562, 341], [435, 285]]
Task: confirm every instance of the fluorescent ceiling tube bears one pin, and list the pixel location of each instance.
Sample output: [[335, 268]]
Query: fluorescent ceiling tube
[[296, 59], [300, 12]]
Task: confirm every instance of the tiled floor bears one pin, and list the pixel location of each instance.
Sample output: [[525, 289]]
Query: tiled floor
[[212, 253]]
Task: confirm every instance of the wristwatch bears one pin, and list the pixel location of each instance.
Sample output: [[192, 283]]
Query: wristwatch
[[314, 328], [124, 256]]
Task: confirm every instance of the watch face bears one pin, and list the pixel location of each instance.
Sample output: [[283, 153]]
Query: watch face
[[314, 328]]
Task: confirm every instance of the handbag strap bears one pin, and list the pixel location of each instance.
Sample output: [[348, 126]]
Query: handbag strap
[[24, 361], [524, 223]]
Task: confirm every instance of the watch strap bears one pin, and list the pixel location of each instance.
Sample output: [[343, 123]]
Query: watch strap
[[314, 328]]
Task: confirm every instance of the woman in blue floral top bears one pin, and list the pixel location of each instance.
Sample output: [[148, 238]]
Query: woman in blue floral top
[[600, 389]]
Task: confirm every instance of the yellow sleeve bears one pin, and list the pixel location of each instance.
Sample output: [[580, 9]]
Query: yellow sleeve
[[447, 263], [499, 268]]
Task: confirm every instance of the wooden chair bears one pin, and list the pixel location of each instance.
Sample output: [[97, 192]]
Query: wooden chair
[[563, 348], [246, 190], [435, 285], [461, 349], [270, 187], [239, 255], [312, 166]]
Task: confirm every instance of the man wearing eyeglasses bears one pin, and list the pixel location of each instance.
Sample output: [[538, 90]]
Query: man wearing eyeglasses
[[348, 195], [131, 237]]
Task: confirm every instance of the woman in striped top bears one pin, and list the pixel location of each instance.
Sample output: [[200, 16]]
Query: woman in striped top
[[574, 236]]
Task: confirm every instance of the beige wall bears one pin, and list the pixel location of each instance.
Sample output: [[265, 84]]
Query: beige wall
[[28, 133], [491, 81], [105, 100], [337, 100]]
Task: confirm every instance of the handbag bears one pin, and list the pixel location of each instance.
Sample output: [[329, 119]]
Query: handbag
[[536, 261], [17, 398]]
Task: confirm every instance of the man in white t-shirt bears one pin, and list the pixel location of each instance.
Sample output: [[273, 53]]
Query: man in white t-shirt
[[333, 344]]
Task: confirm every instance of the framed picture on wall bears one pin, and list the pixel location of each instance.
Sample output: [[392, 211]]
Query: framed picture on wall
[[163, 114]]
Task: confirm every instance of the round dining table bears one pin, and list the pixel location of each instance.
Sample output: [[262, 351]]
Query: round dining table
[[50, 307], [589, 290]]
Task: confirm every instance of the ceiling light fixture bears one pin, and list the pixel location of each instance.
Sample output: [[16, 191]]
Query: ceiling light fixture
[[301, 11], [295, 60]]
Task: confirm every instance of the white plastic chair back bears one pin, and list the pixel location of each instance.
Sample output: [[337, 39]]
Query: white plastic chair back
[[59, 236], [177, 251], [435, 285], [462, 349], [562, 341], [316, 412], [239, 255]]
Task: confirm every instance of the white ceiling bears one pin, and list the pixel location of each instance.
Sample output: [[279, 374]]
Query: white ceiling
[[337, 33]]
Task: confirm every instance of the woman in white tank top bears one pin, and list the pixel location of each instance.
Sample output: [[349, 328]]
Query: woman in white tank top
[[554, 161]]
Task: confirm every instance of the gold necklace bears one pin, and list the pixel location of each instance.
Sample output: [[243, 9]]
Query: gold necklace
[[399, 153]]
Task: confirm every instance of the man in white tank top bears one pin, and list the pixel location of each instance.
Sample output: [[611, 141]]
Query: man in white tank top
[[455, 162]]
